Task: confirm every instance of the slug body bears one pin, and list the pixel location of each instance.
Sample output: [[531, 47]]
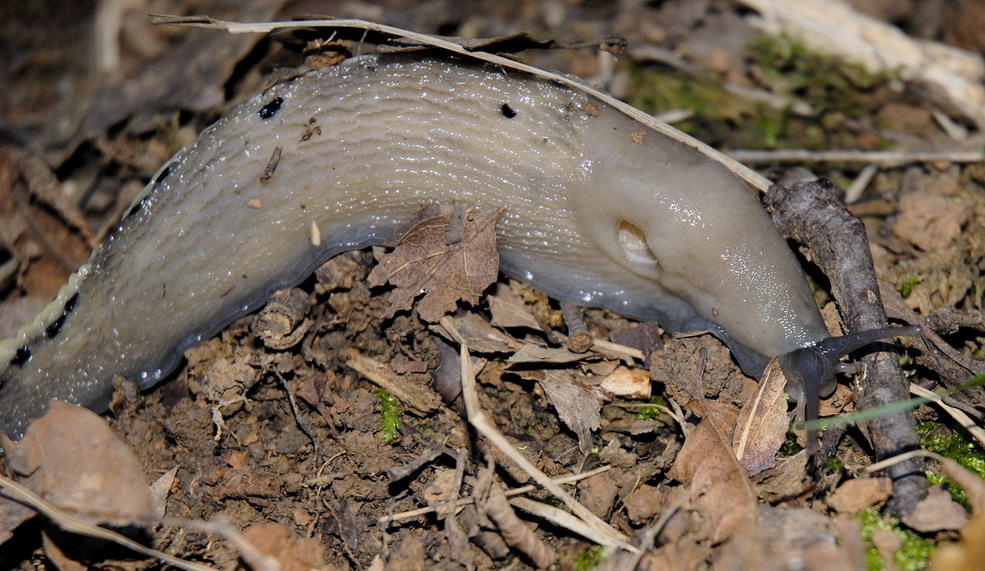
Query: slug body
[[597, 210]]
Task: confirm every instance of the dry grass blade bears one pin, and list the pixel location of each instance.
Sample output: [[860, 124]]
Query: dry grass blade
[[753, 178], [601, 532], [963, 419], [883, 158]]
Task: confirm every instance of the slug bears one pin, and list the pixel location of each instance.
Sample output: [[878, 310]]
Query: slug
[[596, 209]]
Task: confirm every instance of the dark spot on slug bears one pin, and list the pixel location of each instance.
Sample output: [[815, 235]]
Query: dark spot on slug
[[227, 292], [55, 327], [23, 356], [164, 174], [270, 109], [508, 111], [71, 303]]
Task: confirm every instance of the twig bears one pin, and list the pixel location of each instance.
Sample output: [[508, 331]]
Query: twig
[[882, 158], [297, 413], [855, 190], [411, 514], [602, 532], [579, 338], [841, 251]]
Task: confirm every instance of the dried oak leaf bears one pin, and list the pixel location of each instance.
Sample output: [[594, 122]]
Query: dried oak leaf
[[429, 260]]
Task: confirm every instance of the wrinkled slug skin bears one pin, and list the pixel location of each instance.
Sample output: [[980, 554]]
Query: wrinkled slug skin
[[363, 146]]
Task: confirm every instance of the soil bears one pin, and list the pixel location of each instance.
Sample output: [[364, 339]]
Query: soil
[[308, 432]]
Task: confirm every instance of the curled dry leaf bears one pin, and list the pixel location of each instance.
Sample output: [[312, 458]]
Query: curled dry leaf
[[445, 264]]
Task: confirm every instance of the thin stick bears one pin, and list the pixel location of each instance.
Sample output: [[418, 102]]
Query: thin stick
[[411, 514], [883, 158], [603, 533]]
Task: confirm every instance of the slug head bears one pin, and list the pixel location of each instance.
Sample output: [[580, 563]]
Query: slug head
[[810, 371]]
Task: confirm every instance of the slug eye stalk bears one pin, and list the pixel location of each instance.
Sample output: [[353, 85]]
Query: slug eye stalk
[[810, 371]]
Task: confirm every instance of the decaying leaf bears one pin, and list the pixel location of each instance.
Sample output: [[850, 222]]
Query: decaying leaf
[[290, 552], [578, 406], [443, 263], [76, 462], [854, 495], [763, 423], [507, 312], [936, 512], [718, 487], [479, 334]]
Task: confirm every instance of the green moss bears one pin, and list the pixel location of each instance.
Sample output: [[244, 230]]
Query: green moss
[[834, 87], [790, 446], [833, 465], [914, 551], [656, 407], [719, 119], [957, 445], [591, 558], [839, 91], [906, 288], [390, 415]]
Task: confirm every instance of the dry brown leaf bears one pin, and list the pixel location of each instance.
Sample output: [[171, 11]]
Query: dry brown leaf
[[291, 553], [930, 221], [578, 406], [763, 423], [964, 555], [429, 260], [479, 334], [936, 512], [77, 463], [718, 487], [508, 312], [854, 495]]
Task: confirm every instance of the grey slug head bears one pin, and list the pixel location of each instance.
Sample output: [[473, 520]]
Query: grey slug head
[[810, 371]]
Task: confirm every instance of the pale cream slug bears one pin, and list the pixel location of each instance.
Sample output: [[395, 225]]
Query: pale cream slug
[[597, 209]]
